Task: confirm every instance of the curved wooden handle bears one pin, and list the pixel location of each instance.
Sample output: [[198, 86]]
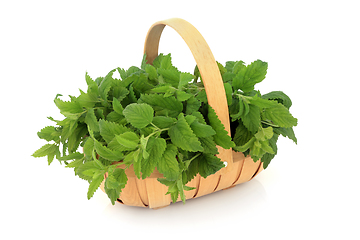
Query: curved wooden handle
[[206, 63]]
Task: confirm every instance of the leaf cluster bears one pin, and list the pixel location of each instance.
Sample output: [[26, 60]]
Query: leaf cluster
[[157, 117], [256, 120]]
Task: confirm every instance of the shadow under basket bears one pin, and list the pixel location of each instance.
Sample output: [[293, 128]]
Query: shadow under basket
[[150, 192]]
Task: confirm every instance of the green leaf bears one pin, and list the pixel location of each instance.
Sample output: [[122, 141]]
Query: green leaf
[[172, 188], [209, 145], [120, 92], [141, 83], [137, 162], [114, 117], [143, 144], [280, 97], [68, 128], [266, 147], [139, 115], [190, 119], [131, 157], [92, 121], [228, 77], [246, 146], [262, 103], [183, 96], [165, 61], [93, 88], [68, 107], [105, 86], [242, 106], [252, 120], [242, 134], [192, 169], [183, 137], [171, 76], [164, 122], [100, 113], [286, 132], [72, 116], [165, 106], [168, 164], [202, 130], [87, 100], [120, 176], [143, 62], [247, 77], [237, 66], [116, 146], [108, 130], [76, 163], [88, 147], [132, 71], [107, 153], [155, 147], [267, 157], [280, 116], [50, 156], [128, 139], [222, 69], [94, 185], [221, 137], [49, 133], [208, 164], [71, 156], [76, 136], [202, 96], [87, 170], [157, 61], [228, 91], [200, 118], [192, 105], [185, 78], [151, 70], [117, 106], [45, 150], [114, 184], [180, 187], [167, 88], [197, 73], [229, 65], [127, 82], [264, 134]]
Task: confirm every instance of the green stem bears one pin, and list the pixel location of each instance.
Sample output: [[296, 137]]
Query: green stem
[[270, 124], [158, 130], [194, 157], [247, 98]]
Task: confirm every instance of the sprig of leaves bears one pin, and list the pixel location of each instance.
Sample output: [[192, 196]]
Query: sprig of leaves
[[158, 117], [257, 120]]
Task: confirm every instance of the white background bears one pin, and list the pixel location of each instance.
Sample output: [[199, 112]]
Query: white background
[[309, 191]]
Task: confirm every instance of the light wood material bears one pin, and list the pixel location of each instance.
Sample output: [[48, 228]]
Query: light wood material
[[151, 193], [249, 169], [130, 194]]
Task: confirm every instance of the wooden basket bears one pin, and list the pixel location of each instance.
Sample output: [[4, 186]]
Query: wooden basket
[[151, 193]]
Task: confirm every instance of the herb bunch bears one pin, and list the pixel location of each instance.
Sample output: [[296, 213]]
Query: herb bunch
[[158, 117]]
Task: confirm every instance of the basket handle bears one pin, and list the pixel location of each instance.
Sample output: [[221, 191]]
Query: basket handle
[[207, 66]]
